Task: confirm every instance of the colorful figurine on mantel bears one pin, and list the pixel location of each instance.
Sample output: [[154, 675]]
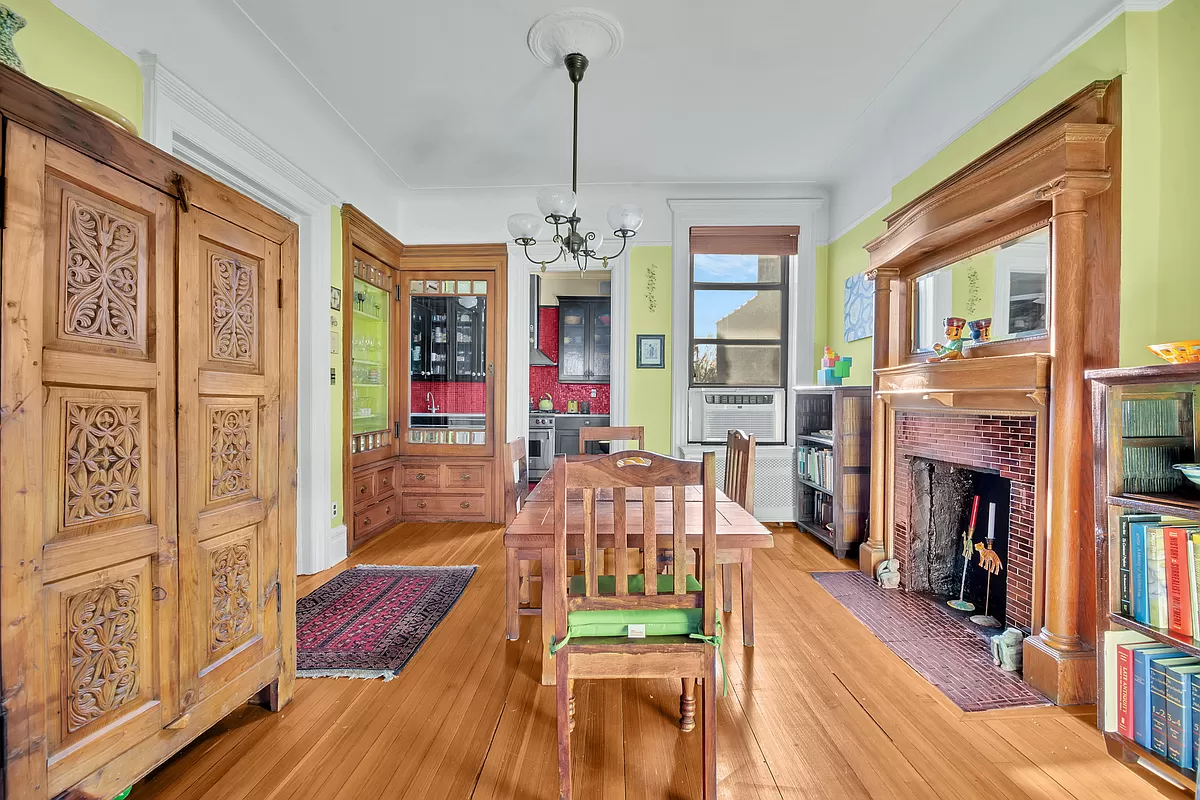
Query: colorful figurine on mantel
[[953, 348], [833, 368]]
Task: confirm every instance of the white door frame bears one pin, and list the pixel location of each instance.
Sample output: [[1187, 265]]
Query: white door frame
[[179, 120], [519, 270]]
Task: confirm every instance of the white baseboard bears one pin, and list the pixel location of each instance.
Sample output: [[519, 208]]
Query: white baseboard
[[333, 550]]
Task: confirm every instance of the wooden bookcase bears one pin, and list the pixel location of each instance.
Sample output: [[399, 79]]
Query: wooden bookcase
[[1134, 450], [835, 511]]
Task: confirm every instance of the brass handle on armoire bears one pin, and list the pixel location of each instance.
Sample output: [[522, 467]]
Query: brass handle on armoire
[[465, 504], [465, 476], [420, 504], [420, 476]]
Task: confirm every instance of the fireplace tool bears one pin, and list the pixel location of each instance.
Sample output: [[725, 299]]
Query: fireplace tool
[[969, 534], [989, 560]]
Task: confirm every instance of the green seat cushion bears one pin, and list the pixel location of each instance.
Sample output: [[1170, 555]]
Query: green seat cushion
[[616, 622], [607, 584]]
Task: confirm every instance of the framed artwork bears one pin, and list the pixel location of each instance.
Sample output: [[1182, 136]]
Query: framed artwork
[[335, 298], [650, 351], [859, 321]]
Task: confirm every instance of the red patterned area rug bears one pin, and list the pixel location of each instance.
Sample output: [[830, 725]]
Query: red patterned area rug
[[367, 622]]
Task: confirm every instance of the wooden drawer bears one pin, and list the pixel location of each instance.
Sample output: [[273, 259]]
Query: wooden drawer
[[465, 476], [420, 475], [376, 517], [385, 480], [364, 488], [444, 506]]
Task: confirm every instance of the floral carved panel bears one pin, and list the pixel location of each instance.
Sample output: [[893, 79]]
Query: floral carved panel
[[233, 296], [232, 595], [102, 460], [102, 274], [103, 666], [232, 440]]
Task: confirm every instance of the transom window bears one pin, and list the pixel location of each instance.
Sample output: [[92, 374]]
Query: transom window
[[739, 302]]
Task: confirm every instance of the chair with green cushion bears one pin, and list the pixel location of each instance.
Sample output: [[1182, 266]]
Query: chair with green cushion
[[622, 625]]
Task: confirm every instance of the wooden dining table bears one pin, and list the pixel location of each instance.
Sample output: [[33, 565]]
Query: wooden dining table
[[531, 534]]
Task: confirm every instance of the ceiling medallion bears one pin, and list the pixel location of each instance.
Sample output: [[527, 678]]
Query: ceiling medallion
[[575, 30], [549, 35]]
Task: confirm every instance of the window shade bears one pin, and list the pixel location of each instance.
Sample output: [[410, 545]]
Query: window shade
[[758, 240]]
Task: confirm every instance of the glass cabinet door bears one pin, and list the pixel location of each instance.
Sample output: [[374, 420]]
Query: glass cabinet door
[[370, 358], [600, 321], [573, 335], [449, 397]]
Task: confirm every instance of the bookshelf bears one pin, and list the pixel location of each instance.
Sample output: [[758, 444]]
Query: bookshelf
[[833, 463], [1144, 420]]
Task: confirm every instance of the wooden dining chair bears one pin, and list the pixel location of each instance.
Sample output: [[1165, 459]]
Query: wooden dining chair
[[626, 625], [739, 487], [628, 433], [518, 563]]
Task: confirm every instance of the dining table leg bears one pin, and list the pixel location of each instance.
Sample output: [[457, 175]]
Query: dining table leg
[[747, 570], [727, 588], [548, 587], [512, 581]]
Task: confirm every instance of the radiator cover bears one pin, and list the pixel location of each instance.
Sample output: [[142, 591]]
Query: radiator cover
[[774, 479]]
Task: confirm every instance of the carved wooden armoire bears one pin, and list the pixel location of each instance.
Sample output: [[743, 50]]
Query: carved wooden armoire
[[147, 446]]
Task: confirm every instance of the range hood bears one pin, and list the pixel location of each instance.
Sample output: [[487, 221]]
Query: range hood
[[536, 357]]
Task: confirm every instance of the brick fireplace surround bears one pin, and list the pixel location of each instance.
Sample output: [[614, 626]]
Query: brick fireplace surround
[[1005, 444]]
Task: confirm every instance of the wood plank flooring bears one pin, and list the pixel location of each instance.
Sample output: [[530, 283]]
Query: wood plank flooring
[[818, 709]]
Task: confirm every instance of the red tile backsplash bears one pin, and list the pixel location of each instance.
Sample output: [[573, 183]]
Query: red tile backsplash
[[451, 398], [1003, 443], [543, 380]]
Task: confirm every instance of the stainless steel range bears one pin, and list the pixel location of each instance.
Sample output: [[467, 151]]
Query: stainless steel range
[[541, 444]]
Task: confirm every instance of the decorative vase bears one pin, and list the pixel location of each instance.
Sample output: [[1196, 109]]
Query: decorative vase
[[10, 23]]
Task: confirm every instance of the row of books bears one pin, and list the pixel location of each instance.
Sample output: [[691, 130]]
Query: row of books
[[1158, 572], [1153, 697], [815, 464]]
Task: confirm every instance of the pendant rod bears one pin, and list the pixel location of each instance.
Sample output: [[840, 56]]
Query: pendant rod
[[575, 142]]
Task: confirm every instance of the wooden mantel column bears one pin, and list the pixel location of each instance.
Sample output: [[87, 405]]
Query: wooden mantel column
[[873, 550], [1057, 662]]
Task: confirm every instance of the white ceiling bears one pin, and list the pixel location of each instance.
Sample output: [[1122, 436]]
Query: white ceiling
[[447, 93]]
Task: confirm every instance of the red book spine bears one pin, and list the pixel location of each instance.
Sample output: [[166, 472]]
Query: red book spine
[[1179, 591], [1125, 692]]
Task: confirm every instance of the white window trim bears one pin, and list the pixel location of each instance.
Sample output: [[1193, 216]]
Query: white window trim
[[519, 270], [809, 214], [181, 121], [941, 284], [1027, 257]]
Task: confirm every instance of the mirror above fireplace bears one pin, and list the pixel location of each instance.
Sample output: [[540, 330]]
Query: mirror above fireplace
[[1002, 293]]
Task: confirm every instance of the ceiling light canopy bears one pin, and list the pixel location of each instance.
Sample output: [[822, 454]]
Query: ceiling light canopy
[[548, 39]]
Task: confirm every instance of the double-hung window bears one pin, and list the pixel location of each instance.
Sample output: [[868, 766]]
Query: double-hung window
[[739, 305]]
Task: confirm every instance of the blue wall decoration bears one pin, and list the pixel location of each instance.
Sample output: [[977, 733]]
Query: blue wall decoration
[[860, 307]]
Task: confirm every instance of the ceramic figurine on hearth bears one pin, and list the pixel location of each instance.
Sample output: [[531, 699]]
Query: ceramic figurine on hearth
[[888, 574], [953, 348], [1006, 649]]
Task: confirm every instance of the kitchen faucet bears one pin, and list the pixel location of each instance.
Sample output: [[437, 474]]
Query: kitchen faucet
[[433, 409]]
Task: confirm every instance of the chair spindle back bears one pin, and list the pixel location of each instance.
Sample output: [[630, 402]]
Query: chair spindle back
[[629, 433], [739, 468]]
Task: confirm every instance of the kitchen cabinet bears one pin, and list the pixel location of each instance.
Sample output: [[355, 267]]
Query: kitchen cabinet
[[566, 432], [584, 339], [446, 338]]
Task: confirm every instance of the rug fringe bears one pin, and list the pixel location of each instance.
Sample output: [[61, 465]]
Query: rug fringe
[[363, 674]]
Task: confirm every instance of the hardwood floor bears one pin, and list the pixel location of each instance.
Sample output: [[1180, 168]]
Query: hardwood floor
[[819, 708]]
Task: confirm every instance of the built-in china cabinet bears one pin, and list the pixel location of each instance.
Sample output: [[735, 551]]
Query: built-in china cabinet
[[424, 388]]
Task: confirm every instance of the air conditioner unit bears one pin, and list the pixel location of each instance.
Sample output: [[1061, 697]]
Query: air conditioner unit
[[712, 413]]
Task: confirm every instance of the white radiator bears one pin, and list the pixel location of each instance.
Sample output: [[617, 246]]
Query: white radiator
[[774, 479]]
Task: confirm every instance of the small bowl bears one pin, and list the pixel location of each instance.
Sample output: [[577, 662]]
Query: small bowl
[[1190, 471]]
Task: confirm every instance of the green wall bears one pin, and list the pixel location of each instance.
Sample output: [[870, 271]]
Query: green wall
[[59, 52], [1158, 57], [650, 389], [335, 362]]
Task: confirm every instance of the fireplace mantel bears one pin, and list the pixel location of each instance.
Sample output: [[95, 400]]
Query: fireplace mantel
[[1063, 172], [1001, 383]]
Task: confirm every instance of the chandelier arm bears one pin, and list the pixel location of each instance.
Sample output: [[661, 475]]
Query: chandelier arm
[[543, 262], [624, 244]]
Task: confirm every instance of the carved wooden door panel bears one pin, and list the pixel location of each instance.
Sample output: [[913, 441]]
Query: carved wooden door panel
[[228, 450], [88, 520]]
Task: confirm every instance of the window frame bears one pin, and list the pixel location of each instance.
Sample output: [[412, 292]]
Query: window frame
[[785, 268]]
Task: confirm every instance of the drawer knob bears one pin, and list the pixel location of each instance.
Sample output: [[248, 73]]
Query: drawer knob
[[420, 476], [366, 522], [362, 488], [465, 476], [420, 504], [465, 504]]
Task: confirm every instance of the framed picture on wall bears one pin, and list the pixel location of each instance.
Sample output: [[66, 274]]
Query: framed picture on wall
[[335, 298], [650, 351]]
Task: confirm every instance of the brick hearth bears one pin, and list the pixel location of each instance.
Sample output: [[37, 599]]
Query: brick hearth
[[1001, 443]]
